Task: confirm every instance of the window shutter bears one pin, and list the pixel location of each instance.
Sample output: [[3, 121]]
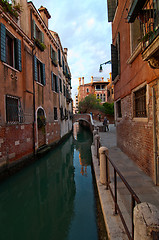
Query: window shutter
[[42, 37], [111, 5], [43, 73], [57, 85], [34, 29], [51, 52], [18, 58], [118, 49], [35, 69], [3, 43], [52, 81], [114, 60]]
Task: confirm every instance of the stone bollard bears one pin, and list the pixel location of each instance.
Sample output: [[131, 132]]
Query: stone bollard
[[146, 222], [96, 141], [102, 153], [94, 133]]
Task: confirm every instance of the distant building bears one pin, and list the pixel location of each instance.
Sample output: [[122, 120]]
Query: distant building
[[97, 86], [110, 90]]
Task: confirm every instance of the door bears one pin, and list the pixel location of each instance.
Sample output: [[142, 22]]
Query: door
[[41, 122]]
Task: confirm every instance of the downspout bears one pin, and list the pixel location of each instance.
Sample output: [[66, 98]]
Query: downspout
[[154, 134], [34, 117]]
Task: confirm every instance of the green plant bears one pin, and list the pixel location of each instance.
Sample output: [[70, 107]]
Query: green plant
[[41, 45], [11, 8], [108, 108]]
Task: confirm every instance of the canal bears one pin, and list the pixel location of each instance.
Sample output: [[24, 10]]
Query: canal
[[53, 198]]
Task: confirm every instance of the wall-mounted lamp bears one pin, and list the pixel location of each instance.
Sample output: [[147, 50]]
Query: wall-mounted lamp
[[100, 68]]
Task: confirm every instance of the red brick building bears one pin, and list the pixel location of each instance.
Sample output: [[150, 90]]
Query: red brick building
[[135, 74], [97, 86], [35, 86]]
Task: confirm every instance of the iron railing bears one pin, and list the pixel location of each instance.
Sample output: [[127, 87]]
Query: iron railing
[[149, 18], [114, 192]]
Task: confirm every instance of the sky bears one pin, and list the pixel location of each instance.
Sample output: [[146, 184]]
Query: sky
[[83, 28]]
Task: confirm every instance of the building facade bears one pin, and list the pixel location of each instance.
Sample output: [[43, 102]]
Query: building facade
[[97, 86], [35, 86], [135, 74]]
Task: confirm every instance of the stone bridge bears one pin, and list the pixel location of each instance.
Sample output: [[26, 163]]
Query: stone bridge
[[85, 119]]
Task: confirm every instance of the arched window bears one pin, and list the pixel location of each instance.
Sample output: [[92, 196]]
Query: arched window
[[87, 90]]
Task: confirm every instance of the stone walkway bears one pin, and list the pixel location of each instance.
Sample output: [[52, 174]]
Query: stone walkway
[[142, 184]]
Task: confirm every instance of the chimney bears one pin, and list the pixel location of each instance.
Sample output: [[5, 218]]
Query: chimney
[[92, 79], [82, 80], [65, 52], [44, 14], [79, 81], [102, 79]]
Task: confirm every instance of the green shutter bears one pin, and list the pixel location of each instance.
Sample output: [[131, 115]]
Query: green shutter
[[57, 85], [34, 29], [18, 58], [111, 5], [42, 37], [118, 49], [35, 69], [3, 43], [51, 52], [114, 60], [43, 74], [52, 81]]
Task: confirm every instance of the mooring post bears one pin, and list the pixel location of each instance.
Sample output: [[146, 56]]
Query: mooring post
[[146, 222], [103, 151]]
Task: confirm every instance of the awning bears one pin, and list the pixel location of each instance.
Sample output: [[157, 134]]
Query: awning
[[135, 8]]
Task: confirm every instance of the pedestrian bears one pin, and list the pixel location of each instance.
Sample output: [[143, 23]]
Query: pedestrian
[[105, 123]]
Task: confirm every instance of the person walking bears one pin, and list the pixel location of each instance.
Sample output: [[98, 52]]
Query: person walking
[[105, 123]]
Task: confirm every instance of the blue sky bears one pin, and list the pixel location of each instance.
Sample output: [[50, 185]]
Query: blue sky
[[84, 29]]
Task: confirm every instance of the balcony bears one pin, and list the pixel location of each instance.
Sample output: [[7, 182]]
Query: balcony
[[148, 14]]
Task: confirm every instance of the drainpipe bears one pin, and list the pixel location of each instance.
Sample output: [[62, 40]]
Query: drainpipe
[[34, 117], [154, 134]]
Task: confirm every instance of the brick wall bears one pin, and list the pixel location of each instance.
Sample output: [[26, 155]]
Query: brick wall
[[135, 137]]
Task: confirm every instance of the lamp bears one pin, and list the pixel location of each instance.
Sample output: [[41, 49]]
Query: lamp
[[100, 68]]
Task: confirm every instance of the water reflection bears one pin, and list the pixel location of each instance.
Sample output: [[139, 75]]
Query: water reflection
[[50, 199], [38, 203], [82, 144]]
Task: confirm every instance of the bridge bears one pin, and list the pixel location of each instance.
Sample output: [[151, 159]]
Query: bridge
[[85, 119]]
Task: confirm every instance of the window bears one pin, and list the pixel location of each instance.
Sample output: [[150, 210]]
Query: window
[[37, 34], [10, 49], [87, 90], [39, 71], [14, 112], [64, 90], [61, 114], [97, 87], [118, 109], [140, 102], [101, 96], [135, 34], [53, 55], [55, 113], [59, 57], [54, 82], [104, 97], [97, 96], [103, 86], [60, 82]]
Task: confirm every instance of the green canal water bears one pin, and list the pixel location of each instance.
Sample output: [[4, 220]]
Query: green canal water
[[52, 199]]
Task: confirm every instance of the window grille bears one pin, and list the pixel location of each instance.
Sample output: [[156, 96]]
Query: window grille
[[140, 103], [55, 113], [118, 108], [14, 111]]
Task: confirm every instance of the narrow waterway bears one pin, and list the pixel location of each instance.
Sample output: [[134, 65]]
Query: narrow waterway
[[52, 199]]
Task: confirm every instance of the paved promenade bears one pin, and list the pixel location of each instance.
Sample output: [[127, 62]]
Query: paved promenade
[[137, 179]]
